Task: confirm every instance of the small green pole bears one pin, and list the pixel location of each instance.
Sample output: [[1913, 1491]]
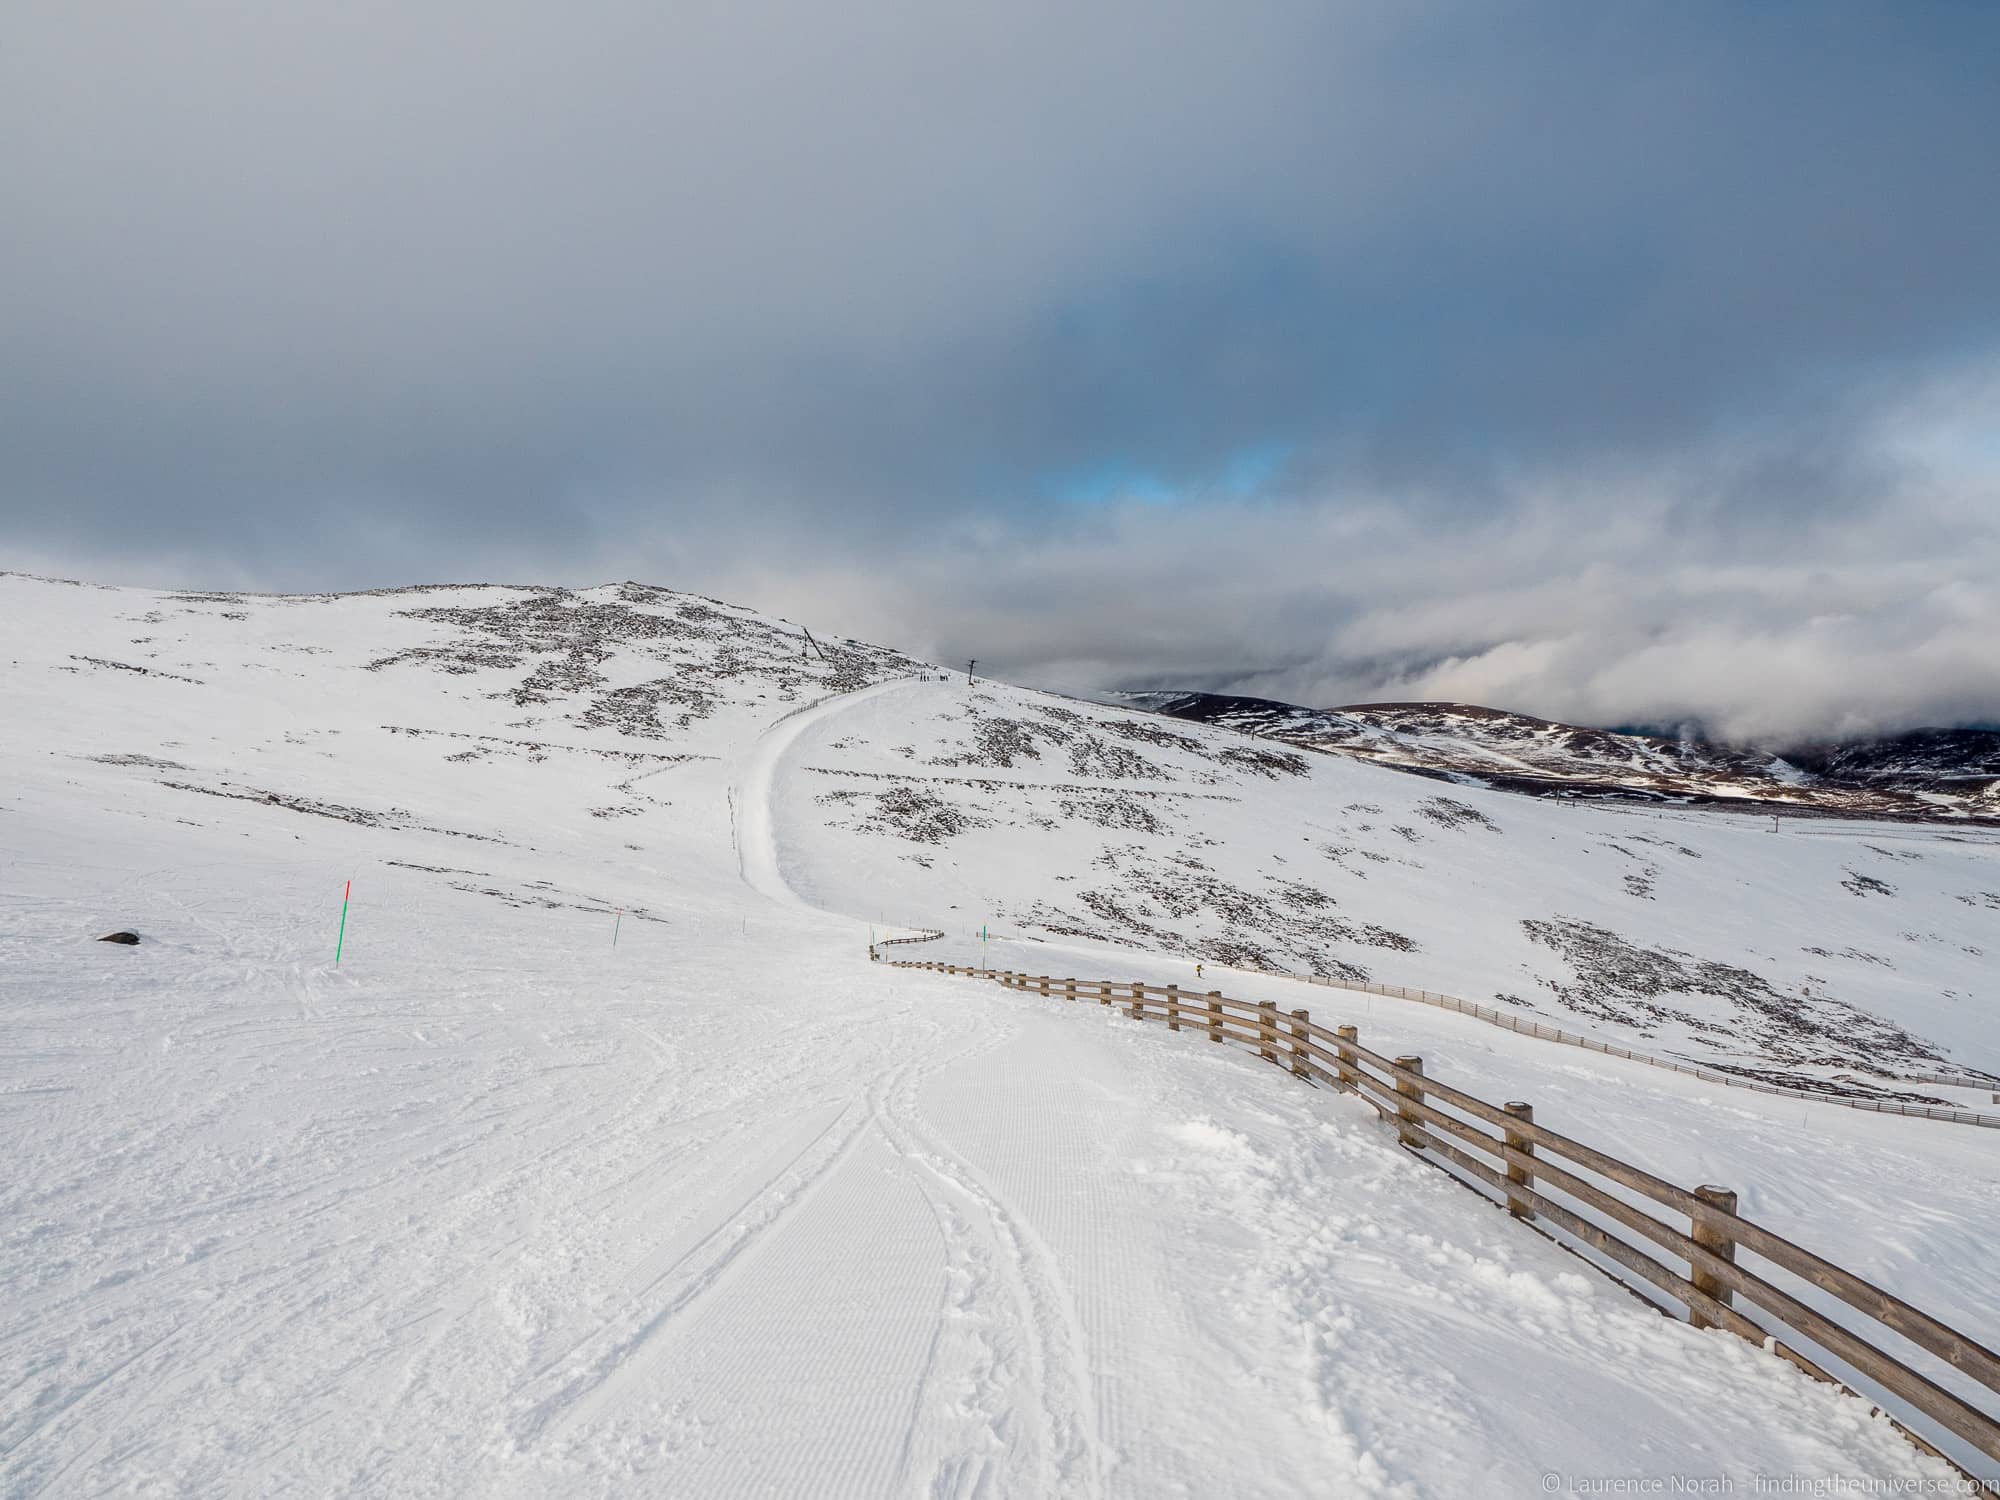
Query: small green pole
[[616, 925], [340, 942]]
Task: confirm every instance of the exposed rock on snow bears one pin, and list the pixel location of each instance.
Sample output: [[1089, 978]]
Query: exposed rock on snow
[[1620, 981]]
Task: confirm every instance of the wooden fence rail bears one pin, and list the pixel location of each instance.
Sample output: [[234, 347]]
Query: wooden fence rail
[[1494, 1017], [1685, 1245], [921, 935]]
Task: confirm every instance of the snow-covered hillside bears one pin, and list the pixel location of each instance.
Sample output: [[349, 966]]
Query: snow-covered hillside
[[605, 1162], [1835, 955]]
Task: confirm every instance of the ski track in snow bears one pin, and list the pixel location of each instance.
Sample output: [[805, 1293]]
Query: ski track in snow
[[497, 1208], [1035, 1337], [754, 824]]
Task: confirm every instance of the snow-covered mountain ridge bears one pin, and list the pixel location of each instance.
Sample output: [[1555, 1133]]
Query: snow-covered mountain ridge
[[1924, 775]]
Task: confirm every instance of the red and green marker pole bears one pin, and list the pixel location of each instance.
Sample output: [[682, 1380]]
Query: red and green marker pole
[[341, 941]]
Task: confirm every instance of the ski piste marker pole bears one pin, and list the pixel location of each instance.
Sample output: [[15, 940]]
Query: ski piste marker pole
[[615, 926], [340, 943]]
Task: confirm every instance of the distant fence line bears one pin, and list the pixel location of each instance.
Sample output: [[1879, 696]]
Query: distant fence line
[[1521, 1171], [1495, 1017]]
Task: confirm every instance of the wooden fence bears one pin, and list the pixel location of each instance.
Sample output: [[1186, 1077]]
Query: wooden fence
[[1686, 1245], [921, 935]]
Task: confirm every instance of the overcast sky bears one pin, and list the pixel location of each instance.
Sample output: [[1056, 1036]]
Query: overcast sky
[[1621, 363]]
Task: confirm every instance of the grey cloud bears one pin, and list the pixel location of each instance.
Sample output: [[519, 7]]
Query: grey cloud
[[330, 295], [1862, 624]]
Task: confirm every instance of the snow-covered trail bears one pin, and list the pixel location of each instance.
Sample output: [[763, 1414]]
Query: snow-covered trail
[[751, 795], [551, 1227]]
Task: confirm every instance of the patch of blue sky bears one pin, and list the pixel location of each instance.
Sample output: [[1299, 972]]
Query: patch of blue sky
[[1113, 484], [1243, 474]]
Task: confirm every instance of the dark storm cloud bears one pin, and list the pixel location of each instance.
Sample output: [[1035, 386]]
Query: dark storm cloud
[[801, 296]]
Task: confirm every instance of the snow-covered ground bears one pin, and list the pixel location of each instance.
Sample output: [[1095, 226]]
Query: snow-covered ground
[[498, 1206]]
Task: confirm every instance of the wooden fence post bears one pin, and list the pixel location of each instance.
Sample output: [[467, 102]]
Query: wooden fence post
[[1345, 1068], [1409, 1128], [1215, 1015], [1045, 986], [1267, 1030], [1069, 989], [1518, 1207], [1173, 1007], [1716, 1242], [1300, 1020], [1103, 992], [1138, 999]]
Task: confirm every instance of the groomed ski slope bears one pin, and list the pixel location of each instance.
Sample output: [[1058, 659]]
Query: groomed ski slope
[[496, 1207]]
